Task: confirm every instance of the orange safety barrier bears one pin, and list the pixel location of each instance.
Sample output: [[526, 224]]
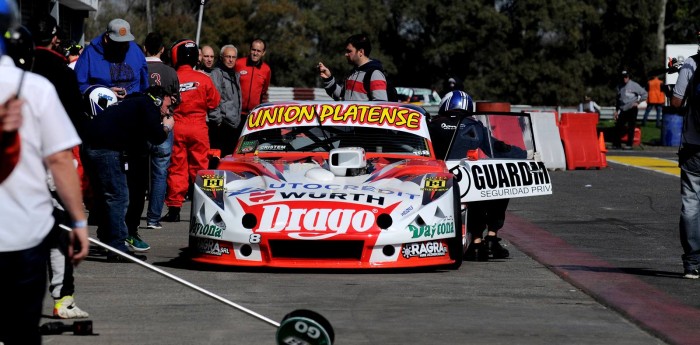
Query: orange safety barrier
[[493, 106], [580, 139], [637, 140], [603, 149], [505, 128]]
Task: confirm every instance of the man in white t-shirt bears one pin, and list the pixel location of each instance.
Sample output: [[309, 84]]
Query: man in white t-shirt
[[47, 136]]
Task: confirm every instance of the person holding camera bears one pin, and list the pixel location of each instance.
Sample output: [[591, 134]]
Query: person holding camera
[[117, 157]]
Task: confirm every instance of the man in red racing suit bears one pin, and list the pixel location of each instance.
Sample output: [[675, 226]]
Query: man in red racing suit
[[191, 137]]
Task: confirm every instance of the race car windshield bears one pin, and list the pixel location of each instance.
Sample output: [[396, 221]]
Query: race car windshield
[[506, 136], [325, 138]]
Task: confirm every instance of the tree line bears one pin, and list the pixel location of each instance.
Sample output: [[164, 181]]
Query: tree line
[[540, 52]]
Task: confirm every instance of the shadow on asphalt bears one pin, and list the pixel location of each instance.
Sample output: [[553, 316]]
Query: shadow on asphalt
[[626, 270]]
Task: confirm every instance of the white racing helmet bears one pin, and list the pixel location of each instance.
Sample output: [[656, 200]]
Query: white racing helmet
[[97, 98]]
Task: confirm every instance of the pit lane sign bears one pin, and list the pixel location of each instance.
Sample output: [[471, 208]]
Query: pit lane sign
[[500, 179]]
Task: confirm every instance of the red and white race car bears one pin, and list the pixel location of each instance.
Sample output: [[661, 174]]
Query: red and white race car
[[330, 185]]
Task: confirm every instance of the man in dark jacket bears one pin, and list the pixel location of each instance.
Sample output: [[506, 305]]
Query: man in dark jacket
[[116, 150], [357, 50], [51, 64], [225, 123]]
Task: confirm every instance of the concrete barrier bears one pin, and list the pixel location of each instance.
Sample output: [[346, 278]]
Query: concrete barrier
[[548, 140]]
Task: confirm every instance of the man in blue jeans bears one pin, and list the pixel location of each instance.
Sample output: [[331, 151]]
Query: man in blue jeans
[[115, 142], [165, 76], [686, 94]]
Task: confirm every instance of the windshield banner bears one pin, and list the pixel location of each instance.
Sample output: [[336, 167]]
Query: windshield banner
[[390, 116]]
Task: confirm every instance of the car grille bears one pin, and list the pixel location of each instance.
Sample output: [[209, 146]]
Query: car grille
[[316, 249]]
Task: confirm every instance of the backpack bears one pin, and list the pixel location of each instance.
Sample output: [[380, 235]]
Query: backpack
[[392, 95]]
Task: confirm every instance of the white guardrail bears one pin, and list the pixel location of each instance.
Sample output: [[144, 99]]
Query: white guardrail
[[296, 93]]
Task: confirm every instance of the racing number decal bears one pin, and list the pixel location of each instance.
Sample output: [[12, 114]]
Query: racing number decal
[[302, 328], [254, 238]]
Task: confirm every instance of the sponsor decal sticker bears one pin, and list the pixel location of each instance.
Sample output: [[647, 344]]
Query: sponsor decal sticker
[[338, 187], [248, 146], [430, 231], [360, 197], [312, 220], [272, 147], [262, 196], [435, 184], [502, 179], [198, 229], [212, 183], [211, 247], [424, 249]]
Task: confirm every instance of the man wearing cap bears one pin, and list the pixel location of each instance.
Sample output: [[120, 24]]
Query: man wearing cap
[[114, 60], [629, 95]]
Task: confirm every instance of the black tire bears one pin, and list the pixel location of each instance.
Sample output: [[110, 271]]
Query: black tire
[[454, 245]]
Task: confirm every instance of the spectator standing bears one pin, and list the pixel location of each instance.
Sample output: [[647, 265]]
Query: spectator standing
[[225, 121], [357, 52], [656, 100], [207, 63], [114, 60], [629, 95], [163, 75], [452, 84], [588, 106], [191, 141], [26, 202], [51, 64], [255, 76], [114, 146], [685, 93]]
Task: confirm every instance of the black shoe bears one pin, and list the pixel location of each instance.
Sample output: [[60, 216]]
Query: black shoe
[[495, 249], [121, 259], [173, 215], [477, 252]]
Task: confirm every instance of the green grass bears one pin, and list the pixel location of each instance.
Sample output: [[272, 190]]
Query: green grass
[[650, 134]]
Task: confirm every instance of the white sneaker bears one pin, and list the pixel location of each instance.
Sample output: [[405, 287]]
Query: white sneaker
[[65, 308]]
